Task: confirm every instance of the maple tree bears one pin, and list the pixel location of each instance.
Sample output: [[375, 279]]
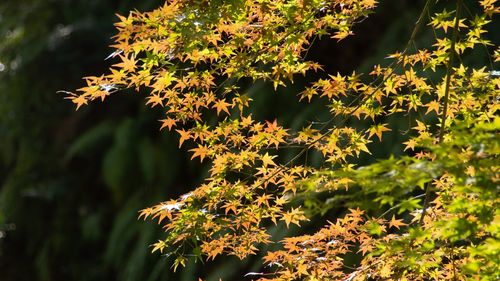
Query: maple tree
[[436, 214]]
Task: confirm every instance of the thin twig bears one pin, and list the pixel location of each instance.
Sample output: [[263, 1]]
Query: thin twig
[[398, 205], [449, 73]]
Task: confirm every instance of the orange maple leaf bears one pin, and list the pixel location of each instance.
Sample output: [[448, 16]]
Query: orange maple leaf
[[396, 223], [433, 105], [221, 105], [185, 135], [200, 151], [167, 122], [78, 100], [155, 99]]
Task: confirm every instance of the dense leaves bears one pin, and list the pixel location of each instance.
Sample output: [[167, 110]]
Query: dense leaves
[[436, 208]]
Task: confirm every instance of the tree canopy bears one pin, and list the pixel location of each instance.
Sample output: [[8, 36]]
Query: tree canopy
[[338, 140], [430, 213]]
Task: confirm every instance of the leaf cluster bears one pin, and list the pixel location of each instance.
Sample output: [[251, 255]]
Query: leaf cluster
[[437, 212]]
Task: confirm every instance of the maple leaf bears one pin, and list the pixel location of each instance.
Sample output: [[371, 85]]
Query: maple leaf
[[185, 135], [361, 146], [242, 101], [344, 182], [356, 212], [118, 76], [306, 134], [231, 206], [386, 271], [377, 130], [370, 3], [302, 269], [154, 100], [160, 245], [293, 216], [396, 223], [162, 215], [281, 200], [308, 93], [339, 35], [421, 127], [78, 100], [470, 171], [246, 121], [271, 126], [163, 81], [433, 105], [167, 122], [127, 64], [145, 213], [263, 200], [267, 160], [221, 105], [200, 151], [391, 86], [410, 144], [365, 248]]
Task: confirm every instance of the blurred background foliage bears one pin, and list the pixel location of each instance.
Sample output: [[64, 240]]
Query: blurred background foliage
[[71, 183]]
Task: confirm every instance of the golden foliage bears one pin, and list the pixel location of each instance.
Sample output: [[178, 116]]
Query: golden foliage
[[189, 56]]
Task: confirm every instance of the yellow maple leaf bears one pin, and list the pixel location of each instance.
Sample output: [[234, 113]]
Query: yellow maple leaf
[[293, 216], [160, 245], [267, 160], [433, 105], [377, 130], [410, 144], [421, 127], [127, 64]]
